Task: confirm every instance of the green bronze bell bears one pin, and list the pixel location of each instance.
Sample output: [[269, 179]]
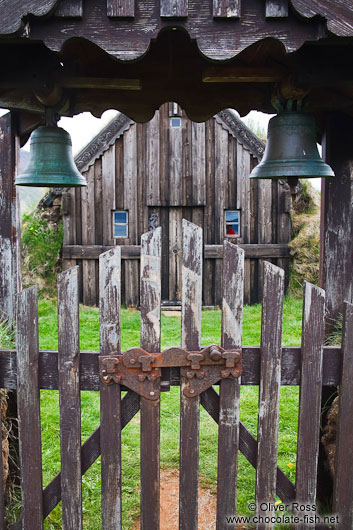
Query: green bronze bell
[[51, 163], [291, 149]]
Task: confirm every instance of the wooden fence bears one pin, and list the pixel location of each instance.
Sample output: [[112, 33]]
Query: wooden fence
[[145, 371]]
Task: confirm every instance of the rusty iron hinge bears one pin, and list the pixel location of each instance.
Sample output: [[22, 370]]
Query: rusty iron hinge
[[140, 371]]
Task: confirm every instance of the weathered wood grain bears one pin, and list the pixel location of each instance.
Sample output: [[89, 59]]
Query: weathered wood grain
[[198, 163], [269, 392], [110, 396], [221, 179], [151, 249], [89, 379], [226, 8], [175, 253], [313, 331], [69, 217], [69, 399], [130, 182], [174, 8], [276, 8], [69, 8], [28, 407], [175, 144], [229, 390], [153, 161], [343, 483], [190, 407], [264, 251], [10, 268], [108, 199], [120, 8], [88, 237]]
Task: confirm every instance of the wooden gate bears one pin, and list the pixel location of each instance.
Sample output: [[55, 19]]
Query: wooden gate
[[145, 371]]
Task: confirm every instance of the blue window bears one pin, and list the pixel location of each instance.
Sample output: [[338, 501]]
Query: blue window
[[232, 223], [175, 122], [120, 224]]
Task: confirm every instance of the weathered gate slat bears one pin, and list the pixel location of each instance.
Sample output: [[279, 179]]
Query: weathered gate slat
[[110, 395], [248, 445], [151, 251], [229, 392], [343, 483], [269, 392], [190, 407], [69, 399], [310, 396], [28, 406]]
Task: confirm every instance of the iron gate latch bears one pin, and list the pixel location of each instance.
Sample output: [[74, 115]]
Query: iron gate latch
[[141, 371]]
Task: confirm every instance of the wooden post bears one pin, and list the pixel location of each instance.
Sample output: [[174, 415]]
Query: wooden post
[[336, 265], [10, 276], [336, 249], [10, 268]]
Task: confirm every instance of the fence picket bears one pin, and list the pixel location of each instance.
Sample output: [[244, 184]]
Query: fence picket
[[269, 392], [190, 407], [151, 251], [28, 403], [229, 391], [110, 396], [343, 481], [310, 396], [69, 399]]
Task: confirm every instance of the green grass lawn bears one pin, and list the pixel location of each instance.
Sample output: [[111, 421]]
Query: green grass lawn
[[211, 325]]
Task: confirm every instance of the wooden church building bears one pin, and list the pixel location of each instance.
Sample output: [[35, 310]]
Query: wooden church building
[[141, 176]]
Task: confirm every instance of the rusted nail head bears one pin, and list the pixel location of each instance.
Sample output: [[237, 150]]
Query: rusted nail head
[[132, 361]]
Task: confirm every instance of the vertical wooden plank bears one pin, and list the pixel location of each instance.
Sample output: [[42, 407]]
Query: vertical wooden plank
[[69, 220], [284, 227], [132, 282], [239, 175], [190, 407], [164, 155], [151, 250], [174, 8], [175, 253], [187, 176], [28, 406], [343, 482], [269, 392], [245, 217], [226, 8], [110, 396], [69, 9], [88, 238], [108, 196], [264, 220], [198, 162], [175, 166], [153, 161], [276, 8], [130, 182], [310, 396], [10, 256], [120, 8], [69, 399], [229, 399], [221, 180]]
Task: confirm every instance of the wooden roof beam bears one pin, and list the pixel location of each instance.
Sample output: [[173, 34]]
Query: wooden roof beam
[[242, 74]]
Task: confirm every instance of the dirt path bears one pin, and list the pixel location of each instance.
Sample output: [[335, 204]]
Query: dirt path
[[170, 504]]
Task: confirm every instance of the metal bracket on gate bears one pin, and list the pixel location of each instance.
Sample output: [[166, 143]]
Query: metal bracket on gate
[[141, 371]]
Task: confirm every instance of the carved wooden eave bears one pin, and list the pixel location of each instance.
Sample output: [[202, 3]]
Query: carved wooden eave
[[134, 55]]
